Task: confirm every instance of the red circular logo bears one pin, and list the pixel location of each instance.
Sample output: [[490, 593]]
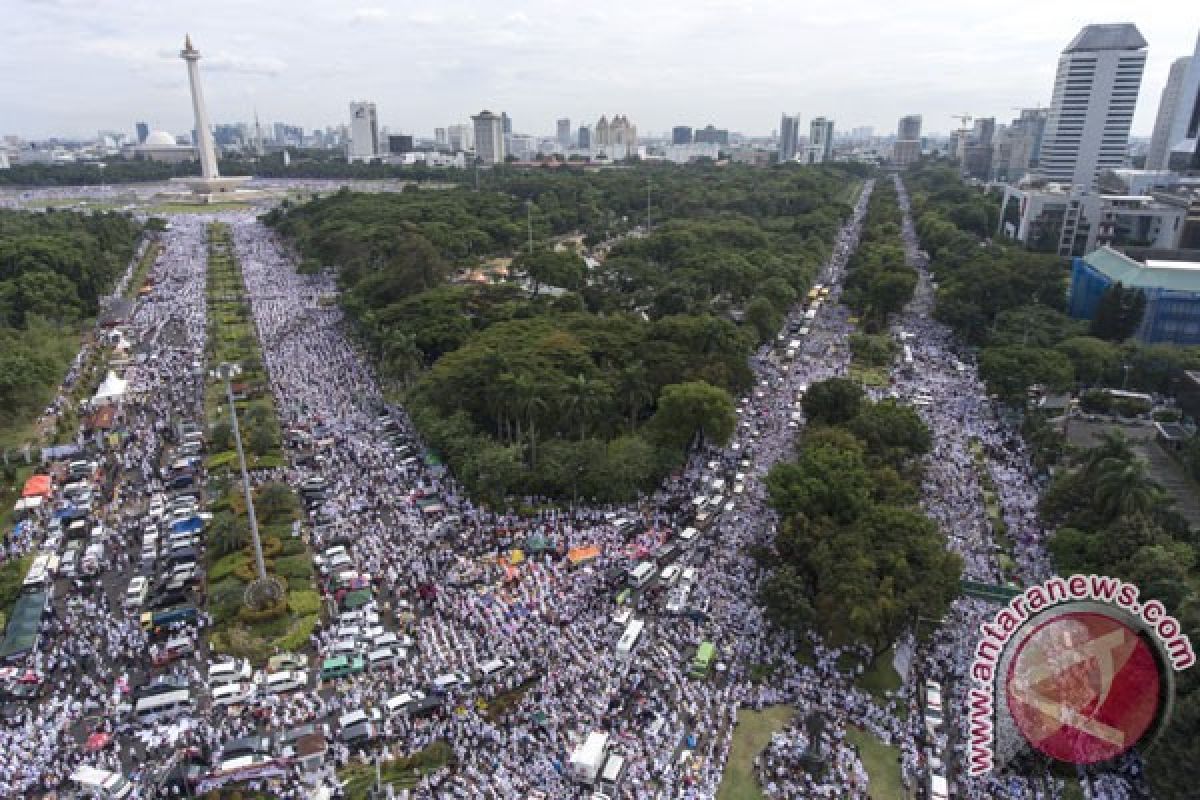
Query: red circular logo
[[1083, 687]]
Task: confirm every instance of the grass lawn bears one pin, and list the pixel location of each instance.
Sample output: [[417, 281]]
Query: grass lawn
[[195, 208], [882, 764], [402, 773], [869, 376], [753, 733]]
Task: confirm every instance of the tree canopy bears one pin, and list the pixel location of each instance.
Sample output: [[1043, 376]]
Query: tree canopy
[[854, 556], [597, 386]]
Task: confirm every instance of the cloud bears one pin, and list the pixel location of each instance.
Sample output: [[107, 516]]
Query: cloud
[[244, 65], [369, 14]]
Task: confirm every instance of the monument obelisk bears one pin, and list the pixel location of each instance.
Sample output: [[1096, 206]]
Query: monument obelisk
[[210, 181], [204, 144]]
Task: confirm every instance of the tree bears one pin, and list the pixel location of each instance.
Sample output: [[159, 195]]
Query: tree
[[1119, 313], [1094, 360], [762, 316], [1125, 487], [696, 409], [832, 402], [892, 432], [274, 501], [1011, 370], [227, 533], [220, 437], [823, 482]]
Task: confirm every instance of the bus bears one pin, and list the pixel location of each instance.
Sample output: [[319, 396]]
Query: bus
[[166, 704], [706, 653], [159, 619], [629, 639]]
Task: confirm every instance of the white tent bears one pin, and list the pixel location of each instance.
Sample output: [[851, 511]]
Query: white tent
[[111, 391]]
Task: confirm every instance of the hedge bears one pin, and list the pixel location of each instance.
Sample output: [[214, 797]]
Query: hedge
[[304, 602]]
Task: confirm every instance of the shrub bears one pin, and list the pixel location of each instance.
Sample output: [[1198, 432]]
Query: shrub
[[297, 569], [252, 617], [304, 602], [297, 636]]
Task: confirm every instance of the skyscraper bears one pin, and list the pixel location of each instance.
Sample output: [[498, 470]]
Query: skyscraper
[[585, 137], [564, 132], [364, 132], [681, 134], [489, 137], [460, 137], [507, 120], [820, 141], [1183, 142], [908, 140], [1095, 92], [789, 137], [143, 130], [440, 137], [1160, 140]]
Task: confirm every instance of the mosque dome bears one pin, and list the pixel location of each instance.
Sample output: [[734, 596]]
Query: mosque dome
[[160, 139]]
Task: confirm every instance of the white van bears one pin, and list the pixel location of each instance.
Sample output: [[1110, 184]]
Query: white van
[[224, 672], [101, 783], [642, 574], [629, 639], [495, 668]]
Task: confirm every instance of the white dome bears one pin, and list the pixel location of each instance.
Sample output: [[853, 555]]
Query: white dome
[[159, 139]]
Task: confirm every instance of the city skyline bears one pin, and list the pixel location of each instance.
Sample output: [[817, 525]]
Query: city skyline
[[866, 65]]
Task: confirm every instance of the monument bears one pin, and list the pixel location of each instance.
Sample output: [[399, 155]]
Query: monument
[[210, 186]]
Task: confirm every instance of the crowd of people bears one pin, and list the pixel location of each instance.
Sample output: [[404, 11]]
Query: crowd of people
[[444, 574]]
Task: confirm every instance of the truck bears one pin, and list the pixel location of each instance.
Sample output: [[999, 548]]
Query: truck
[[588, 759]]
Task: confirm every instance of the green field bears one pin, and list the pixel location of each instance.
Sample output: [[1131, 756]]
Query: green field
[[753, 733], [881, 762]]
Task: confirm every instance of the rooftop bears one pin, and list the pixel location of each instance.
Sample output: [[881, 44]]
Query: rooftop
[[1121, 36], [1179, 276]]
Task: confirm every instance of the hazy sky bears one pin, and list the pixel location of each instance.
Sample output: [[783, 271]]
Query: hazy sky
[[74, 66]]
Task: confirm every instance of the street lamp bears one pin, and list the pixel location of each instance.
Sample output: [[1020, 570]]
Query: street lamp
[[264, 587]]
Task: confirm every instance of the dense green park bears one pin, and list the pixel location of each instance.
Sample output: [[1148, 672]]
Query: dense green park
[[855, 556], [54, 268], [562, 379]]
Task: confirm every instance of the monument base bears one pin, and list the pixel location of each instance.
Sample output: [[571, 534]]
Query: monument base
[[202, 191]]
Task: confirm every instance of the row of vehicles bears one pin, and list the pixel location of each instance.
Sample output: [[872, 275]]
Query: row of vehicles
[[935, 730]]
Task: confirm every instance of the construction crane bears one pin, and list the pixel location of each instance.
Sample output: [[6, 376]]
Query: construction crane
[[965, 119]]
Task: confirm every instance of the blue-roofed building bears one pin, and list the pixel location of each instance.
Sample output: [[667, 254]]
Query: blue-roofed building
[[1172, 290]]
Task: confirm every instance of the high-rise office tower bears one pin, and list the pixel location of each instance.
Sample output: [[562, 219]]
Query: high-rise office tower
[[820, 141], [681, 134], [585, 137], [440, 138], [1168, 103], [507, 120], [1095, 92], [907, 148], [143, 130], [489, 137], [364, 132], [1183, 141], [460, 138], [909, 128], [564, 133], [789, 137]]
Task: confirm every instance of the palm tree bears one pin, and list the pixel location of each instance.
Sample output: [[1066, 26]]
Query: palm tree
[[1113, 445], [1124, 487], [635, 389]]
